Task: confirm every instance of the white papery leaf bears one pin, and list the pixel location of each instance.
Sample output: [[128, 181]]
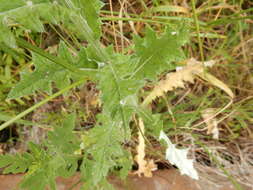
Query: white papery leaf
[[178, 157]]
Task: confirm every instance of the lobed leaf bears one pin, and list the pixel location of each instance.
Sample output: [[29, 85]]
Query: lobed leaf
[[104, 144], [47, 72], [43, 166], [157, 52]]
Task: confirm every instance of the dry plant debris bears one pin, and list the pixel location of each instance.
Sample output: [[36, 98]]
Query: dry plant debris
[[188, 73], [211, 124], [144, 167]]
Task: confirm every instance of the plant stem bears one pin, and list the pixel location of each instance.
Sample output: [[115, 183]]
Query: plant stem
[[27, 111], [198, 31], [54, 59]]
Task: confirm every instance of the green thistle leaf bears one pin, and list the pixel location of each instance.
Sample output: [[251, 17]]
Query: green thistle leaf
[[157, 52], [47, 72]]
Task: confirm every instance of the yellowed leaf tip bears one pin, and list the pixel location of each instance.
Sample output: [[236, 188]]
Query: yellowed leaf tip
[[216, 82]]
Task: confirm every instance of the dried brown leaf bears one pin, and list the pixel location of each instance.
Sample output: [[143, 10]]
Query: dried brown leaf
[[144, 167], [175, 80], [216, 82], [211, 124], [186, 74]]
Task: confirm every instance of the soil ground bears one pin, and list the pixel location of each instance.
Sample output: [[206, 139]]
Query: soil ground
[[162, 180]]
